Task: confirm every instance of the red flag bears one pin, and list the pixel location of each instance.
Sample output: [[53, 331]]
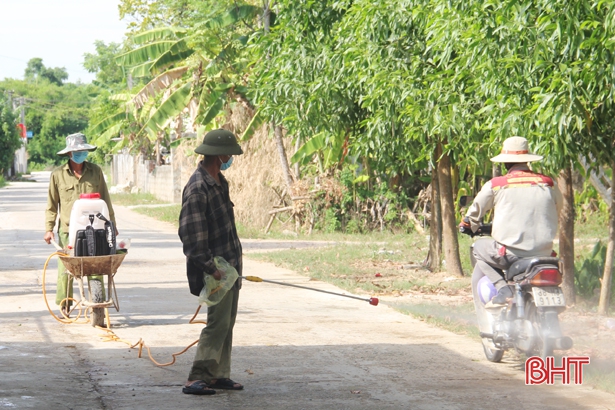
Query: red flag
[[22, 131]]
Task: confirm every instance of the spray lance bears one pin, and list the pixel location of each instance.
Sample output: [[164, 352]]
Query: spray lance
[[372, 301], [109, 232]]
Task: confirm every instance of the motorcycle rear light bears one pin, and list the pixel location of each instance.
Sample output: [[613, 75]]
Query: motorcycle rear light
[[547, 277]]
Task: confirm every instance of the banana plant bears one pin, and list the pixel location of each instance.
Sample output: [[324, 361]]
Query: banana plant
[[329, 147], [201, 67]]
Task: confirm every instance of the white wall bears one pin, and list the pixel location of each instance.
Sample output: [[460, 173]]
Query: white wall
[[165, 182]]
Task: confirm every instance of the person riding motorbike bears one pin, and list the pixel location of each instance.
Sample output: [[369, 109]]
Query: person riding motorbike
[[526, 206]]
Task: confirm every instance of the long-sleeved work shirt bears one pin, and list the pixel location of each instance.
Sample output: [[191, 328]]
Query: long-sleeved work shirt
[[207, 227], [526, 206], [65, 188]]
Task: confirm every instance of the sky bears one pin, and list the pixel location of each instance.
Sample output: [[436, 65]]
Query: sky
[[58, 31]]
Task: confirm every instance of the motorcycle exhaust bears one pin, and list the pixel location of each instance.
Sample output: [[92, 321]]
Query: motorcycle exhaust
[[562, 343]]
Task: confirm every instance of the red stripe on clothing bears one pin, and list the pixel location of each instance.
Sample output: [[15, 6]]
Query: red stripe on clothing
[[521, 178]]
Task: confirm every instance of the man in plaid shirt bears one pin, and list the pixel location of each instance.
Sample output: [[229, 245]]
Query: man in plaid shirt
[[207, 229]]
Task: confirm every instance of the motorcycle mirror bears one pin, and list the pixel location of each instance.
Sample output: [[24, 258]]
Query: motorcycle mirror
[[465, 200]]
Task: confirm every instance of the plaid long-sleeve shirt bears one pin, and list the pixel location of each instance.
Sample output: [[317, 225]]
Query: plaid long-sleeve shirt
[[207, 227]]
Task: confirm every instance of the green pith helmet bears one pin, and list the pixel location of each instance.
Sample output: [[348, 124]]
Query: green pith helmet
[[219, 142]]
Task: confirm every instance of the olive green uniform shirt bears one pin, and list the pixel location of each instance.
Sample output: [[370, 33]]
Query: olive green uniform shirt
[[65, 188]]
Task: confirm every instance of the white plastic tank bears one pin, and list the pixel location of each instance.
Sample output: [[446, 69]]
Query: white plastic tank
[[86, 205]]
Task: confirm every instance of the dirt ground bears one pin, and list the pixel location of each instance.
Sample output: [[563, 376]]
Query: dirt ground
[[593, 335], [293, 349]]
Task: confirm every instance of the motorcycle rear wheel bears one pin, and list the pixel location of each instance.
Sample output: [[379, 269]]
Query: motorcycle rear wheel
[[544, 345], [493, 355]]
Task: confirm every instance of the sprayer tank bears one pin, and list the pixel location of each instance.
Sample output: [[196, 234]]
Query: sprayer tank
[[86, 205]]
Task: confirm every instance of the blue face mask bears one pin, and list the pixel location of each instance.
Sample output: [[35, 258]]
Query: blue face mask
[[226, 165], [79, 156]]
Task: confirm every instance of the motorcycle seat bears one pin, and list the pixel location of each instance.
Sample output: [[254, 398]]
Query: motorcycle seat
[[523, 265]]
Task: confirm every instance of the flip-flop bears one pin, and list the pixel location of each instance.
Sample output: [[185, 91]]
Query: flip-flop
[[226, 384], [198, 387]]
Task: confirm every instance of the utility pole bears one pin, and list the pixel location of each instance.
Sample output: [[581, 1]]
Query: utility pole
[[11, 170], [23, 110], [21, 157]]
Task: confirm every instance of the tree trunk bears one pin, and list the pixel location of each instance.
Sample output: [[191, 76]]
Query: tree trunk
[[179, 128], [158, 154], [297, 169], [449, 224], [266, 16], [566, 234], [279, 142], [607, 277], [277, 128], [435, 225]]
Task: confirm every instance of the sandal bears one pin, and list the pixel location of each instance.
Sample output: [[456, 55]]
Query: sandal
[[225, 384], [198, 387]]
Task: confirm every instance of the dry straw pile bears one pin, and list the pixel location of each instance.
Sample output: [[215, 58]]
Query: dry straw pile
[[254, 177]]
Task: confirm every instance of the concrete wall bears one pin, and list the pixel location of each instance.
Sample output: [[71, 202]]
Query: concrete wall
[[20, 163], [165, 182]]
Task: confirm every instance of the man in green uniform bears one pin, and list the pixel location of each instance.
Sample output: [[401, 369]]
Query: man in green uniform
[[207, 229], [66, 183]]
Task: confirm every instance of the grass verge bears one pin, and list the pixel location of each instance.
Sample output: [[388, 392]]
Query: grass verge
[[601, 375], [134, 199], [140, 203], [163, 213], [376, 268]]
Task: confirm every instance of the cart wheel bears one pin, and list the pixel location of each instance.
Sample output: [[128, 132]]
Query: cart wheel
[[96, 296]]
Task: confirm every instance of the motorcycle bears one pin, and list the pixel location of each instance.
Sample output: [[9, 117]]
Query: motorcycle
[[529, 322]]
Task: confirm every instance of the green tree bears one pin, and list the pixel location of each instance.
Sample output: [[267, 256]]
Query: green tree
[[108, 73], [36, 70], [52, 112], [547, 69], [9, 135], [198, 69], [354, 75]]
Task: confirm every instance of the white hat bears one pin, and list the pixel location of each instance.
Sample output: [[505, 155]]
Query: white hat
[[515, 149], [76, 142]]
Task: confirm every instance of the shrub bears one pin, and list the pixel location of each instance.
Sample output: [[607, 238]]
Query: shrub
[[589, 271]]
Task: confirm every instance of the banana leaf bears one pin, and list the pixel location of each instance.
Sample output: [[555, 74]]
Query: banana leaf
[[142, 70], [313, 145], [233, 16], [159, 83], [169, 58], [108, 122], [169, 109], [212, 102], [110, 133], [255, 122], [160, 33], [143, 54]]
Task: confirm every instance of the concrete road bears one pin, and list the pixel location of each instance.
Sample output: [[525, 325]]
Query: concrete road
[[294, 349]]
